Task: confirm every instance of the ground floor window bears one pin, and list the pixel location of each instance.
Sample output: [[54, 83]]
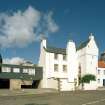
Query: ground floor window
[[98, 80]]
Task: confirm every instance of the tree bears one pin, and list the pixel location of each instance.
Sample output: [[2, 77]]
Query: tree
[[87, 78]]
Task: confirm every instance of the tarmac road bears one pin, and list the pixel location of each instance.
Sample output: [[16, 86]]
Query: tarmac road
[[64, 98]]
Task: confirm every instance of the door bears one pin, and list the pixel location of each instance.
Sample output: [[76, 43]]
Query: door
[[103, 82]]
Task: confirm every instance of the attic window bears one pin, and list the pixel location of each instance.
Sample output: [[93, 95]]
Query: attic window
[[55, 56], [64, 57]]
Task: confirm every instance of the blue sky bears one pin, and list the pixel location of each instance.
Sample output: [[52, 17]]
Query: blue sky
[[71, 19]]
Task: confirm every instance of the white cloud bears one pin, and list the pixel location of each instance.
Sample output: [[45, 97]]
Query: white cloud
[[52, 26], [14, 60], [22, 28]]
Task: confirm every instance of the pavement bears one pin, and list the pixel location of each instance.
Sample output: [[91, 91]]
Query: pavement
[[96, 97], [7, 92]]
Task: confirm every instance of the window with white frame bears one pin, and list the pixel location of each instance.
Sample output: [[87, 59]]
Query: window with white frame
[[16, 70], [25, 70], [104, 72], [98, 80], [98, 72], [6, 69], [65, 68]]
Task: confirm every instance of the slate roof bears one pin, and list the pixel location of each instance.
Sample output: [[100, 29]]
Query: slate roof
[[55, 50], [62, 50], [83, 44]]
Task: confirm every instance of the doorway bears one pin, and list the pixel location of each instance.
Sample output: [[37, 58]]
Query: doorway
[[4, 83], [34, 85], [103, 82]]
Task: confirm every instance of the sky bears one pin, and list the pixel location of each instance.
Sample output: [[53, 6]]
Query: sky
[[24, 22]]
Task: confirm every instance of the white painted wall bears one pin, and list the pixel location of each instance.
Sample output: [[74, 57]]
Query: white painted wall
[[100, 77], [91, 57], [82, 60], [66, 86], [42, 62], [90, 86], [52, 83], [72, 61], [50, 61], [86, 57]]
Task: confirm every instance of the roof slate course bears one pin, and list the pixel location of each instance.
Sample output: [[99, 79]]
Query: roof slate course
[[62, 50], [55, 50]]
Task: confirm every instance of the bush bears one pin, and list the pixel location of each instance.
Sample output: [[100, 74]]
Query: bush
[[87, 78]]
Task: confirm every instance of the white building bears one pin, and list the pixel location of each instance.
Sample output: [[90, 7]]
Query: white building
[[62, 67], [101, 74]]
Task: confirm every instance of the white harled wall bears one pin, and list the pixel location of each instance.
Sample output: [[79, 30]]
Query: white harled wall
[[82, 60], [42, 62], [87, 58], [91, 56], [100, 76], [72, 62]]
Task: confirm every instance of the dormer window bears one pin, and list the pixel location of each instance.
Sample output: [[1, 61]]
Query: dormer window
[[55, 56], [64, 57]]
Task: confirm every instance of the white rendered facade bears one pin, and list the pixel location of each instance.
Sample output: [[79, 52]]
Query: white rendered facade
[[101, 77], [84, 59], [101, 73]]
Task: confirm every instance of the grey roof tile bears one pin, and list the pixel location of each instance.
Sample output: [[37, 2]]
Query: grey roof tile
[[55, 50], [83, 44]]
